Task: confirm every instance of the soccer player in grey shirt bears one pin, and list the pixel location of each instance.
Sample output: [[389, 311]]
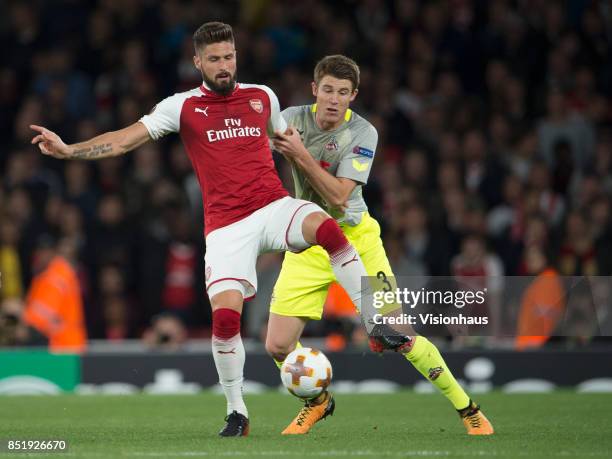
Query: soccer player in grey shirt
[[331, 150]]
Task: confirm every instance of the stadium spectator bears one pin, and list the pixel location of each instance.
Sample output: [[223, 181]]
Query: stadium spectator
[[116, 314], [183, 269], [563, 124], [479, 270], [166, 333], [577, 252], [11, 280], [111, 312], [426, 253], [542, 303], [54, 305]]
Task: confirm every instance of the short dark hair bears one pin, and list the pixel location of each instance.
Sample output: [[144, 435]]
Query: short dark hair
[[338, 66], [212, 32]]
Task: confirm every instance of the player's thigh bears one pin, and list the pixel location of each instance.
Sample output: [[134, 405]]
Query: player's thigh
[[377, 266], [283, 333], [231, 255], [366, 239], [284, 225], [301, 287]]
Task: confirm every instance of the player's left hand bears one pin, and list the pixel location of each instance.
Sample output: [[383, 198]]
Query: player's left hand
[[288, 143]]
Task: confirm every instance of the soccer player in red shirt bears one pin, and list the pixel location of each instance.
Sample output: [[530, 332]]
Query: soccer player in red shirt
[[225, 128]]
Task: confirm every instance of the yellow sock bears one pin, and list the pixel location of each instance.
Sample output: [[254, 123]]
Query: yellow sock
[[279, 363], [426, 358]]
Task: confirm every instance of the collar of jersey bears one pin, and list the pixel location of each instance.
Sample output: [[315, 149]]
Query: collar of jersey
[[206, 90], [347, 114]]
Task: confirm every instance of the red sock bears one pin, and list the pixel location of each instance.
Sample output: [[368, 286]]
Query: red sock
[[226, 323], [332, 239]]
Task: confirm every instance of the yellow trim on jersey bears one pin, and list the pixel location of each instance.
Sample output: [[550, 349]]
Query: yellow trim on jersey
[[360, 167], [301, 288], [347, 114]]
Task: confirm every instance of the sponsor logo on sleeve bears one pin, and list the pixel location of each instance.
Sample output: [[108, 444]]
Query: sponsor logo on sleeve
[[363, 152]]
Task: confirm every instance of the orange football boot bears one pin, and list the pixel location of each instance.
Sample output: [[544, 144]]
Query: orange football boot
[[312, 413], [475, 421]]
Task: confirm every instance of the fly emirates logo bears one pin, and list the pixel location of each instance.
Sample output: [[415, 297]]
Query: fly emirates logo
[[233, 128]]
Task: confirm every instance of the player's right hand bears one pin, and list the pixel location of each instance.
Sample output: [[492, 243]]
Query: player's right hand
[[50, 143]]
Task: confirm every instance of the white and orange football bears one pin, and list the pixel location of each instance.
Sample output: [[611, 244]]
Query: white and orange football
[[306, 372]]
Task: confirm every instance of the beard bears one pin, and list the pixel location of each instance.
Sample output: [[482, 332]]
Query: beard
[[223, 88]]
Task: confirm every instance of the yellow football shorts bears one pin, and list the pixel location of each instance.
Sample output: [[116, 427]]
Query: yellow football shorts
[[301, 287]]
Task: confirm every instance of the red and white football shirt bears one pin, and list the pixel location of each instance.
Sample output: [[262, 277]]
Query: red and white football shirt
[[226, 138]]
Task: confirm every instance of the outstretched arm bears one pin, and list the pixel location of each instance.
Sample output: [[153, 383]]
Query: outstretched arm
[[112, 143]]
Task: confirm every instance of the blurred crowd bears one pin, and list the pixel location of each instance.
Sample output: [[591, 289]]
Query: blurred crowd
[[494, 121]]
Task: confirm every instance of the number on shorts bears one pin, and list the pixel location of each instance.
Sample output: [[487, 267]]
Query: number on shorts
[[383, 277]]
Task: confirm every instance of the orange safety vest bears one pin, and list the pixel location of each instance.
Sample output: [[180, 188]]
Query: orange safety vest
[[542, 307], [55, 308], [338, 303]]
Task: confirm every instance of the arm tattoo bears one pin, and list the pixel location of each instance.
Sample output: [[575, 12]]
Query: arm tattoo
[[93, 152]]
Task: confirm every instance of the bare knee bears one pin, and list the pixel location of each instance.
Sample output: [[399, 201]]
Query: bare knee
[[311, 224], [230, 299], [279, 351]]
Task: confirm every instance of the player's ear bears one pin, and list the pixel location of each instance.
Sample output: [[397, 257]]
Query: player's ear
[[314, 89], [353, 95]]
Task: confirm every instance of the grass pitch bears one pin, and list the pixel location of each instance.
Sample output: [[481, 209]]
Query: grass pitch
[[405, 424]]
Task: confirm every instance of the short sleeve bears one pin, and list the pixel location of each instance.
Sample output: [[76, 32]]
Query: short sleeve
[[358, 157], [276, 121], [165, 117], [291, 115]]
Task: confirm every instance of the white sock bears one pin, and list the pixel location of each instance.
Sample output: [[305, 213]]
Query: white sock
[[229, 359], [348, 268]]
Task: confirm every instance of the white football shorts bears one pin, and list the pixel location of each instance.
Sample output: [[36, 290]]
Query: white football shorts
[[232, 251]]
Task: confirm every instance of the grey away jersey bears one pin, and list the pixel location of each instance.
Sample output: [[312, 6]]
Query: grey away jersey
[[345, 152]]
